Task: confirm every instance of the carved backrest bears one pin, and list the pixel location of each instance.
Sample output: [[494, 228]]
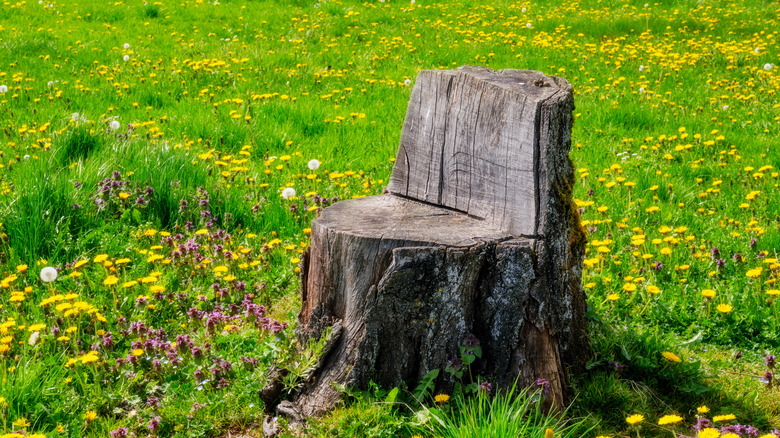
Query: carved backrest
[[475, 140]]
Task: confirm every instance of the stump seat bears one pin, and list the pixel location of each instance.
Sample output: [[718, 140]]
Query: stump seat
[[410, 221], [478, 235]]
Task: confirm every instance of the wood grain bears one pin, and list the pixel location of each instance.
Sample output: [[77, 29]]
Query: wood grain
[[471, 142]]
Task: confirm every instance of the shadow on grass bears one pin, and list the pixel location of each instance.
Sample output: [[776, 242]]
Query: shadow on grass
[[637, 372]]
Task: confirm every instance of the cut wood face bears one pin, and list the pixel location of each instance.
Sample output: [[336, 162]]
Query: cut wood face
[[392, 218], [470, 142]]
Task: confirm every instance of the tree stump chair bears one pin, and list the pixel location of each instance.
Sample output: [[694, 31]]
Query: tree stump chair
[[477, 236]]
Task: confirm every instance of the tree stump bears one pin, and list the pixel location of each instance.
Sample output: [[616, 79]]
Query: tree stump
[[478, 235]]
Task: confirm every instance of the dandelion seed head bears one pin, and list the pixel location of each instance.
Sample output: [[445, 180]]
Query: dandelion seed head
[[288, 193], [48, 274]]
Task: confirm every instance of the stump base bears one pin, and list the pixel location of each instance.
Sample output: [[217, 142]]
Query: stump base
[[408, 296]]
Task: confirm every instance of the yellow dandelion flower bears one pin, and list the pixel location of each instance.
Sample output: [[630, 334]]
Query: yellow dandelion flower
[[708, 293], [441, 398], [21, 423], [755, 272], [89, 357], [724, 308], [671, 356], [726, 417], [613, 297], [100, 258], [669, 419], [703, 409], [709, 433], [36, 327], [634, 419], [629, 287], [110, 280], [90, 415]]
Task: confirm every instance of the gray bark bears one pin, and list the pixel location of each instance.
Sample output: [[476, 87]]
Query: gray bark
[[478, 235]]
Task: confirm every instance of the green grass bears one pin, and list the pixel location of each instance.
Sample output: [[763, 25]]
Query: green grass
[[222, 104], [508, 414]]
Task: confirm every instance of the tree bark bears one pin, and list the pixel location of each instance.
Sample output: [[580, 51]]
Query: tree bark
[[478, 236]]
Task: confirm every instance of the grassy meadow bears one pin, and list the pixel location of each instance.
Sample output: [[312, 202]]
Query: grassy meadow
[[145, 148]]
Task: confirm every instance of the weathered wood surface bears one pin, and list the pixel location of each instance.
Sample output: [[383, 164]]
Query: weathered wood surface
[[479, 236], [471, 141]]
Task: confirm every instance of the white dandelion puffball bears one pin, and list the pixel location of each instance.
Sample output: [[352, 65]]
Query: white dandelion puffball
[[126, 58], [523, 10], [314, 164], [48, 274], [3, 89], [407, 82], [641, 90], [74, 116], [725, 107], [768, 66], [528, 25], [126, 46], [641, 68], [34, 338], [288, 193], [114, 125]]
